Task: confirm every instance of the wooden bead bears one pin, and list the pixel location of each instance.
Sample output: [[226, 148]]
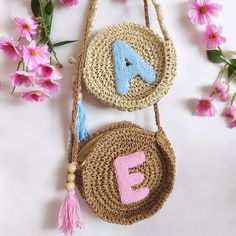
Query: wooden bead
[[71, 177], [70, 186], [71, 168]]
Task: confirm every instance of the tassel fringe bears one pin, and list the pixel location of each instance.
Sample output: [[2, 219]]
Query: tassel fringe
[[80, 123], [70, 214]]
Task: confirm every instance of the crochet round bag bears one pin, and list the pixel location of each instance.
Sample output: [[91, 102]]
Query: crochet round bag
[[128, 66], [124, 172]]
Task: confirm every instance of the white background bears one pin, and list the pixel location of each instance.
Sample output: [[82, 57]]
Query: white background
[[33, 137]]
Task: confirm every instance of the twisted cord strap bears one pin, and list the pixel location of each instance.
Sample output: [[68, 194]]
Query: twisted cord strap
[[146, 12], [161, 20], [157, 116], [74, 142]]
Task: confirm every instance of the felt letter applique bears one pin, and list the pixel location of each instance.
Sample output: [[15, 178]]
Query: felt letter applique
[[127, 180], [128, 64]]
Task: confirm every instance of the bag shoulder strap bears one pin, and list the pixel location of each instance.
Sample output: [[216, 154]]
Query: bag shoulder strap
[[92, 12]]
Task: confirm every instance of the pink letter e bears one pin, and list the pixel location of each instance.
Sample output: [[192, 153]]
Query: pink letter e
[[126, 180]]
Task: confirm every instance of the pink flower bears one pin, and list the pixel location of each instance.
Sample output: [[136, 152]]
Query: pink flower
[[230, 113], [27, 28], [232, 124], [10, 49], [212, 36], [34, 55], [224, 97], [22, 78], [201, 11], [49, 86], [69, 2], [205, 107], [221, 88], [48, 71], [35, 96]]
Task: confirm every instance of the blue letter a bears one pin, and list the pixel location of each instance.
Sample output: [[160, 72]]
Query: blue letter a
[[128, 64]]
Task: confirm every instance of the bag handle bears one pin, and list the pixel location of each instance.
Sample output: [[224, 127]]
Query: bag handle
[[157, 116], [92, 12], [77, 95]]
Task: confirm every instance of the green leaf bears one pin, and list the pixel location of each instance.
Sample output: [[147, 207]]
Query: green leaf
[[233, 62], [215, 56], [49, 8], [63, 43], [35, 7], [231, 71], [43, 38], [48, 22], [47, 15]]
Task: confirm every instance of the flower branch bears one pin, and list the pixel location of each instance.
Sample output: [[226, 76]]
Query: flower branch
[[36, 73], [201, 13]]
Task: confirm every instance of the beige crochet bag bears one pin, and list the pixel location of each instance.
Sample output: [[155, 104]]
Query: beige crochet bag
[[97, 65], [124, 172]]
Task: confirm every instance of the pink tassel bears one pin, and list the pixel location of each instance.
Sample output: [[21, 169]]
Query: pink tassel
[[70, 214]]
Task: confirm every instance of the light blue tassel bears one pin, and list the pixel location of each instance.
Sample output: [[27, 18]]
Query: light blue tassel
[[80, 127]]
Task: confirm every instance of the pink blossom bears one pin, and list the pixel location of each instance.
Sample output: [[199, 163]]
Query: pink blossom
[[221, 88], [224, 97], [69, 2], [205, 107], [230, 113], [232, 124], [22, 78], [212, 36], [49, 85], [10, 49], [201, 11], [27, 28], [35, 96], [48, 71], [34, 55]]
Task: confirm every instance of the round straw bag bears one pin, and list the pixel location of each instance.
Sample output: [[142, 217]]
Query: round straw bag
[[104, 76], [98, 180], [124, 172]]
